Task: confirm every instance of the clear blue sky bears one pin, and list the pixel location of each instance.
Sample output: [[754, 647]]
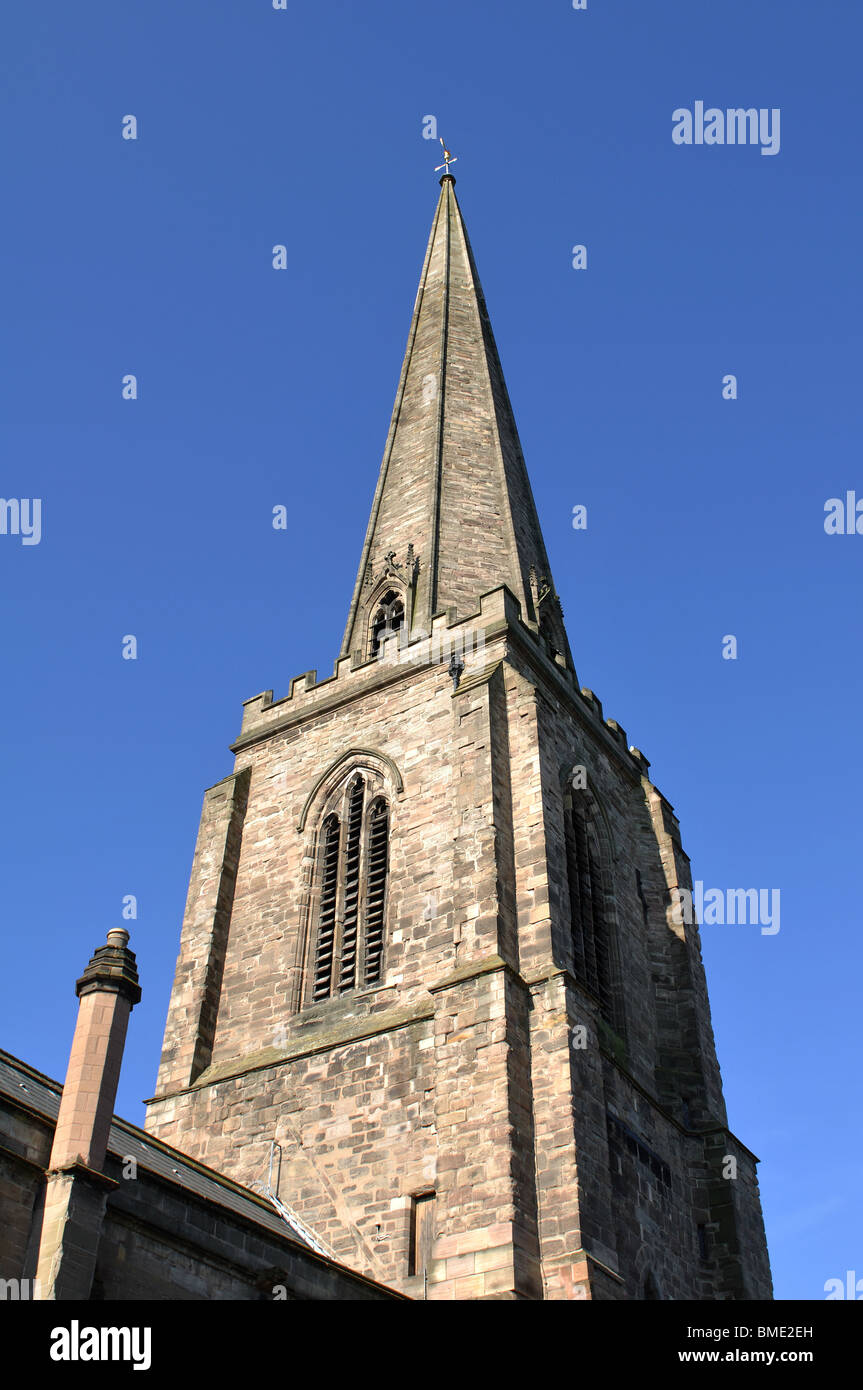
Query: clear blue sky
[[257, 387]]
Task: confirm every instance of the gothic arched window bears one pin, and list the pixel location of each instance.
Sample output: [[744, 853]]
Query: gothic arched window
[[592, 925], [352, 871], [388, 617]]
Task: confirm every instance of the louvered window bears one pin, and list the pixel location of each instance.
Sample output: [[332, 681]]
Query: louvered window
[[379, 822], [351, 911], [591, 929], [353, 868], [326, 930]]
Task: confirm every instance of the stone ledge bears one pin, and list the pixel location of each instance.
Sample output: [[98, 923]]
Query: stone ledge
[[592, 1259], [323, 1041], [471, 970], [480, 678], [79, 1169]]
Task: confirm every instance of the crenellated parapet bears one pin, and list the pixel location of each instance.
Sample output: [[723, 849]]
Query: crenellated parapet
[[402, 655]]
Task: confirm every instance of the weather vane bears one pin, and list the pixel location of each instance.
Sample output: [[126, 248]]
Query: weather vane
[[448, 157]]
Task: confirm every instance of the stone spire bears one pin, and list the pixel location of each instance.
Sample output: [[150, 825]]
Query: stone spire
[[453, 515]]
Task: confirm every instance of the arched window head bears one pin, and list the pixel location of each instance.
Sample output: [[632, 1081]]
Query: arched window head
[[352, 875], [388, 617], [592, 922]]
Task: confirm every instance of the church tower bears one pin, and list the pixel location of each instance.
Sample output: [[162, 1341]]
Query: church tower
[[429, 948]]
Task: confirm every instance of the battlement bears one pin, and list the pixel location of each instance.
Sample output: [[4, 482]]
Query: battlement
[[464, 638], [617, 732]]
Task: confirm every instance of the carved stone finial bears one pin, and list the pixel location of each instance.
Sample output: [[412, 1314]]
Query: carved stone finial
[[412, 565], [391, 565]]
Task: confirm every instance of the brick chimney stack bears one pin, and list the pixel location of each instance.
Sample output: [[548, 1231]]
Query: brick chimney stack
[[77, 1190]]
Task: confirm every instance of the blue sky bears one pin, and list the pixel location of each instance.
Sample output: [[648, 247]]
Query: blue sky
[[259, 388]]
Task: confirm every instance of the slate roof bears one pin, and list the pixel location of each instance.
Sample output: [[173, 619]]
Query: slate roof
[[41, 1095]]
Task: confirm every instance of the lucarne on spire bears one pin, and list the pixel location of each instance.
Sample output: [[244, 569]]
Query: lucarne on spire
[[453, 515]]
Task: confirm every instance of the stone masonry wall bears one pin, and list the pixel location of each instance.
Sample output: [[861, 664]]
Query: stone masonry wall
[[557, 1172], [157, 1240]]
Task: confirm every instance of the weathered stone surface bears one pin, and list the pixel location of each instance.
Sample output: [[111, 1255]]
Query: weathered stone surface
[[560, 1171], [157, 1228]]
